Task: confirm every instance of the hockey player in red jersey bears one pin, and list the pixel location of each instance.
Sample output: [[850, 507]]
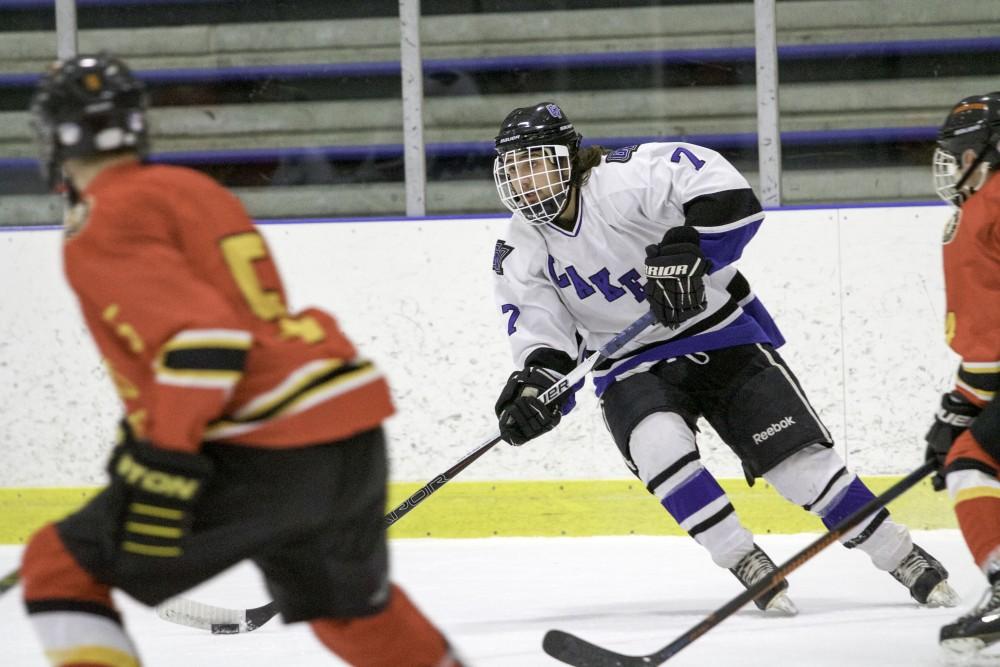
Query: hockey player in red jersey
[[965, 436], [251, 432]]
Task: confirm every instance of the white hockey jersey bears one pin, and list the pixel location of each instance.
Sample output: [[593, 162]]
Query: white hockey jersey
[[574, 290]]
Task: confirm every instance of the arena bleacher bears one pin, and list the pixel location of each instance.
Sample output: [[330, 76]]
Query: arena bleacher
[[297, 104]]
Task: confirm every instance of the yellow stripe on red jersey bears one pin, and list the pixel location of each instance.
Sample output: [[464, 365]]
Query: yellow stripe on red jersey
[[310, 389], [185, 303], [979, 380], [204, 358]]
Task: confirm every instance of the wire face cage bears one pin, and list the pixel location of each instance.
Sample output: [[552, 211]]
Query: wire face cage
[[946, 175], [534, 181]]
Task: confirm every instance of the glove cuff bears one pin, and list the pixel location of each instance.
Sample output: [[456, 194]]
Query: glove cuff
[[956, 399], [681, 234], [134, 461], [551, 359]]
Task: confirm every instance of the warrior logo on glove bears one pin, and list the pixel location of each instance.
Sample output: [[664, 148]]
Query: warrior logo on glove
[[675, 268]]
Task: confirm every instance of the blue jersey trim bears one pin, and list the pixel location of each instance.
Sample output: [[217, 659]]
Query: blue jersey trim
[[744, 330], [724, 248]]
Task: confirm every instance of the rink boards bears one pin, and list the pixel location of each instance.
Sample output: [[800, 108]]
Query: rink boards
[[857, 292], [571, 508]]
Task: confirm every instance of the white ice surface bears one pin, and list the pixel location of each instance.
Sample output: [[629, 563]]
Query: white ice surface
[[495, 598]]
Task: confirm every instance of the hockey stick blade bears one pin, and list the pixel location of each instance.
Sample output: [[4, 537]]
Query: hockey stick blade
[[232, 621], [217, 620], [575, 651]]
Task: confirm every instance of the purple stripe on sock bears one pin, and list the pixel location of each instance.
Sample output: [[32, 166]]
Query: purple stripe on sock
[[853, 498], [692, 496]]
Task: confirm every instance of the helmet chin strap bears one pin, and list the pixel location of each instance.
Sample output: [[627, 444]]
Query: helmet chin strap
[[973, 167], [63, 185], [71, 194], [545, 211], [552, 209]]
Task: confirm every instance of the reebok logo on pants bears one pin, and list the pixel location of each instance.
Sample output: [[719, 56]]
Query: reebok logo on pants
[[772, 429]]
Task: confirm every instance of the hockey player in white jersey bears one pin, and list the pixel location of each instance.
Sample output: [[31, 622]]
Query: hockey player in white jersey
[[598, 238]]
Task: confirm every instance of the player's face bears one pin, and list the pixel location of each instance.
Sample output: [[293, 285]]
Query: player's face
[[534, 176], [534, 181]]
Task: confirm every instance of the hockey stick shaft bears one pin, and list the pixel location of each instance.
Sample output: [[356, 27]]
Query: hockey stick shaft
[[575, 651], [421, 494], [13, 577], [795, 562], [220, 620], [550, 395], [9, 581]]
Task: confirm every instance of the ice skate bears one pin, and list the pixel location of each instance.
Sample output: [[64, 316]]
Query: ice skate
[[751, 569], [926, 579], [964, 639]]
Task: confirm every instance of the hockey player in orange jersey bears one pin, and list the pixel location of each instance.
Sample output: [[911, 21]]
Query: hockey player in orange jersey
[[965, 436], [250, 432]]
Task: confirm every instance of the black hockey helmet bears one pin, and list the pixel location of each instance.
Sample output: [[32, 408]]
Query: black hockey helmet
[[543, 123], [533, 169], [85, 106], [972, 124]]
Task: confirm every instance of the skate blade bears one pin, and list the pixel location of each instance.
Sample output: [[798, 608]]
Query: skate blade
[[781, 605], [943, 595], [967, 652]]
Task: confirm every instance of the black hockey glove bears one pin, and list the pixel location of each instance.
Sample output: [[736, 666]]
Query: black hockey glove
[[156, 490], [522, 414], [951, 420], [675, 267]]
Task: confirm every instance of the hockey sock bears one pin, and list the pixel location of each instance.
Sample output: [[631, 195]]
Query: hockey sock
[[978, 511], [848, 501], [702, 508], [72, 614], [662, 447], [397, 635], [885, 541], [974, 488]]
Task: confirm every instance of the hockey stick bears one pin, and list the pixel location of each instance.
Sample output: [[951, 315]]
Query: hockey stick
[[224, 621], [551, 394], [9, 581], [575, 651], [220, 620]]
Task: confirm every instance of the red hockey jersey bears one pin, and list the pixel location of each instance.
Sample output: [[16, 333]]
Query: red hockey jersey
[[187, 308], [972, 287]]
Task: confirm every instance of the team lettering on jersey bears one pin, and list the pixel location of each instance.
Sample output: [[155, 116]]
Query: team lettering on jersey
[[500, 253], [573, 286], [598, 282]]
